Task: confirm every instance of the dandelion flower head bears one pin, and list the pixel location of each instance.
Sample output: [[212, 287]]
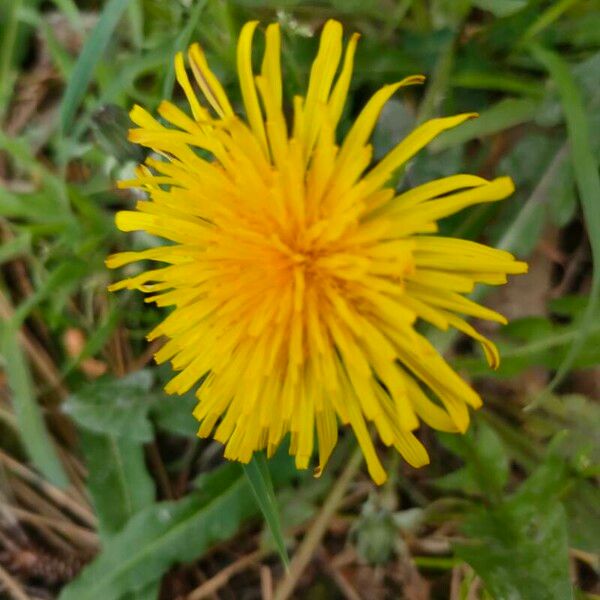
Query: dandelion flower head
[[295, 271]]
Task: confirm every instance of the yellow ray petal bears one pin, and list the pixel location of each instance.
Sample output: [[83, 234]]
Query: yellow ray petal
[[431, 413], [247, 87], [199, 112], [340, 90], [271, 65], [321, 79], [408, 147], [365, 122], [209, 84]]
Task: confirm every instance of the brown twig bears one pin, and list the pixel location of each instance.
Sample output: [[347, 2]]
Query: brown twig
[[160, 471], [224, 575], [337, 576], [59, 497], [12, 586], [141, 361], [266, 583], [77, 473], [32, 499], [40, 359], [81, 536], [317, 530]]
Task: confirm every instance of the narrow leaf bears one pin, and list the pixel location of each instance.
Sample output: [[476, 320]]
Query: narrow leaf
[[182, 40], [585, 168], [16, 247], [28, 413], [506, 113], [259, 478], [92, 52]]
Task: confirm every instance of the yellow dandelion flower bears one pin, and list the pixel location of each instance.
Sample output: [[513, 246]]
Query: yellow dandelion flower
[[296, 272]]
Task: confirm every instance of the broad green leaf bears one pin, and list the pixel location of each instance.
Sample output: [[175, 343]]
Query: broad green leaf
[[259, 478], [91, 53], [583, 510], [116, 407], [519, 547], [174, 414], [171, 532], [149, 592], [118, 481], [486, 463], [30, 421]]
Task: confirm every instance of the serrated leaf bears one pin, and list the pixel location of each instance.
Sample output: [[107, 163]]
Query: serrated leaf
[[161, 535], [118, 481], [486, 463], [506, 540], [115, 407], [174, 414], [170, 532]]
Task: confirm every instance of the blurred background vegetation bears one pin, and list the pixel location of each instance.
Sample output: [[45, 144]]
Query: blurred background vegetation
[[106, 493]]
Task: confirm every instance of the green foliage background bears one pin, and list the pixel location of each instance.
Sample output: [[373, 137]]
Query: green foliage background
[[518, 493]]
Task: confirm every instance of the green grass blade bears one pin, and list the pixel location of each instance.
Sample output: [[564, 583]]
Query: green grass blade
[[259, 478], [182, 40], [70, 10], [30, 421], [7, 46], [549, 16], [497, 81], [92, 52], [587, 179], [18, 246], [438, 85], [506, 113]]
